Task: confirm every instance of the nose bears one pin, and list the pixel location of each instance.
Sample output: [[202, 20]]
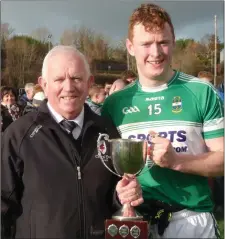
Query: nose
[[155, 50], [68, 85]]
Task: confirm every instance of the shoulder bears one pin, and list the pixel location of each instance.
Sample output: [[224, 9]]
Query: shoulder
[[193, 82], [20, 127], [125, 92], [103, 123]]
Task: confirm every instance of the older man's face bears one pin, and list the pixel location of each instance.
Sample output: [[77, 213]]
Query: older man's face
[[66, 84]]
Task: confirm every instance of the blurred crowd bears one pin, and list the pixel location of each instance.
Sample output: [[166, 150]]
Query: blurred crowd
[[15, 104]]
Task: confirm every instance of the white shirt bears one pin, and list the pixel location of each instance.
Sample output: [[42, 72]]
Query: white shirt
[[79, 120]]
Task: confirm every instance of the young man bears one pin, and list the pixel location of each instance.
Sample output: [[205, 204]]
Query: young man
[[96, 98], [53, 183], [182, 118]]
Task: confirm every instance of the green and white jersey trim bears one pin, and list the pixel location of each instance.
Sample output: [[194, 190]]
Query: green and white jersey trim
[[154, 124], [191, 79], [214, 124]]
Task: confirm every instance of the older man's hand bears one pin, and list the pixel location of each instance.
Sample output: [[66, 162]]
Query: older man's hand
[[129, 191]]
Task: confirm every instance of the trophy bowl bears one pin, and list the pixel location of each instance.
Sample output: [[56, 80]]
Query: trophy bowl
[[127, 158]]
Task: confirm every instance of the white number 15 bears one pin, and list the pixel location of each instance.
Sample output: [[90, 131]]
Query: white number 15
[[154, 109]]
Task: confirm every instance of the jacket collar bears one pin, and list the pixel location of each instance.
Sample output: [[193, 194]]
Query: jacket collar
[[90, 118]]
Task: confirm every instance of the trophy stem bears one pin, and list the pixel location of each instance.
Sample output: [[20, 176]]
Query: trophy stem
[[127, 213]]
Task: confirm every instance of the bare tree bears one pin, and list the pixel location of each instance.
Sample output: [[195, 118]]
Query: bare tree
[[23, 61], [68, 37], [6, 31], [42, 34]]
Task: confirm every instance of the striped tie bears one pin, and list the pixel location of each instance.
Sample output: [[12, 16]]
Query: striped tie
[[68, 125]]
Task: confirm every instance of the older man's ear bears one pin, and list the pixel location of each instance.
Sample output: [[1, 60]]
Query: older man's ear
[[42, 82]]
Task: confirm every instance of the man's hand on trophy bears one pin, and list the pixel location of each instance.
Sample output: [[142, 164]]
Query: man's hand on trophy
[[162, 152], [129, 191]]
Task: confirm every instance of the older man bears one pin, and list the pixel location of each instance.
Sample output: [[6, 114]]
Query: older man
[[53, 183]]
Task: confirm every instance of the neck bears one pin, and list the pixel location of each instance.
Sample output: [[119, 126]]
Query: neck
[[6, 105], [158, 81]]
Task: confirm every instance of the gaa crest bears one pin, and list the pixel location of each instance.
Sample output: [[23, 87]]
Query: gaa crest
[[177, 104]]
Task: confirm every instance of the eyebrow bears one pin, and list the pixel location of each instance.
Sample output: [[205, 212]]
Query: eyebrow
[[149, 41]]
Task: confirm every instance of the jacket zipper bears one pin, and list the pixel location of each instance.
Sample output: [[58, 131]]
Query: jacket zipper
[[83, 231]]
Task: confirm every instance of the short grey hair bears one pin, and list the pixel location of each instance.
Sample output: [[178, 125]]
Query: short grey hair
[[29, 86], [64, 49]]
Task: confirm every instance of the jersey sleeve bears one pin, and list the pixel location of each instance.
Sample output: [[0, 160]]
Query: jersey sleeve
[[212, 113]]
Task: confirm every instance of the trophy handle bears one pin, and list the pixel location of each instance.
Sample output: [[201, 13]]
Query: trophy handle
[[102, 138]]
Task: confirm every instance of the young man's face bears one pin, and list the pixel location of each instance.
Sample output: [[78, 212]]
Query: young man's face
[[152, 50]]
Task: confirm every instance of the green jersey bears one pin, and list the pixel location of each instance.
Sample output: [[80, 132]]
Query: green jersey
[[187, 111]]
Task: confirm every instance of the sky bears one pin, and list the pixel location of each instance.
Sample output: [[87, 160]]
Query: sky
[[191, 19]]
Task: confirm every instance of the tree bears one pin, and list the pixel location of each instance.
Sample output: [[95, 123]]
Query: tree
[[181, 44], [24, 57], [6, 31], [42, 34], [90, 43]]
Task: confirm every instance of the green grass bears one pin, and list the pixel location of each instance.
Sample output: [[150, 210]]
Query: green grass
[[220, 220], [221, 228]]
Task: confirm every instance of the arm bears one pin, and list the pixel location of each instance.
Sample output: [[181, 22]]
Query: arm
[[208, 164]]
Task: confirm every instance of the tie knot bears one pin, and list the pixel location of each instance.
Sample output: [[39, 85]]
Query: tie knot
[[68, 125]]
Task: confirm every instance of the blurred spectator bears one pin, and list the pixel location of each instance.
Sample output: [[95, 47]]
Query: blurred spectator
[[206, 75], [27, 98], [96, 98], [38, 97], [128, 76], [107, 88], [117, 85], [221, 91], [10, 110]]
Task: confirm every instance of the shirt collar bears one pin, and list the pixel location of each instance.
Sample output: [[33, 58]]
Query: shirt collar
[[79, 120]]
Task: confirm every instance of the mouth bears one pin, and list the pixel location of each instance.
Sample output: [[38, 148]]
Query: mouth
[[69, 98], [156, 63]]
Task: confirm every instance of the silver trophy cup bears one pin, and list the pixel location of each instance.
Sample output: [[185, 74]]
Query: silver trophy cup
[[127, 157]]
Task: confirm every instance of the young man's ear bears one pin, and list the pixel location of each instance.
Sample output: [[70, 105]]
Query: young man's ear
[[129, 46]]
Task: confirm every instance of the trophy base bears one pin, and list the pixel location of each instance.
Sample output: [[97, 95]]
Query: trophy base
[[119, 229], [121, 218]]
